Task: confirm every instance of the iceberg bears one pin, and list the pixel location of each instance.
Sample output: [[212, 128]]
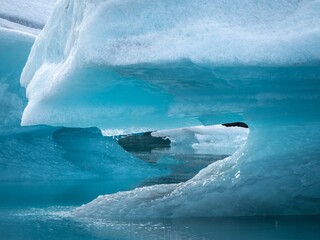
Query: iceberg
[[133, 66]]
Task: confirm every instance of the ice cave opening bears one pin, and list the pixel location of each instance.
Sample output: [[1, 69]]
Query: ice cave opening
[[184, 151]]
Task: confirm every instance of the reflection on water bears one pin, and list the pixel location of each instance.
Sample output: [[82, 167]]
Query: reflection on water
[[185, 151], [181, 167], [56, 223], [212, 228]]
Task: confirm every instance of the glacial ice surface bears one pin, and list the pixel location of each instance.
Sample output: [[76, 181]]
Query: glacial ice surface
[[130, 65], [25, 16], [94, 55]]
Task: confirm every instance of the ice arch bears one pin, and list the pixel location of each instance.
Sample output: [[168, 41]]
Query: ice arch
[[274, 173], [134, 65]]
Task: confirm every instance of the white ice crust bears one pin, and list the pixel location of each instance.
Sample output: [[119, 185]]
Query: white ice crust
[[215, 139], [82, 35], [26, 16]]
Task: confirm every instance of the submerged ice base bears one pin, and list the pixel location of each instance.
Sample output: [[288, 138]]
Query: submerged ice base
[[166, 65]]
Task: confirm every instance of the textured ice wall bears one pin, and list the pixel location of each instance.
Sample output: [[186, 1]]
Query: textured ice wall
[[72, 66], [26, 16]]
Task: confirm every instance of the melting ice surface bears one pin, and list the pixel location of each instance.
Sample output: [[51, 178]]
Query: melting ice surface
[[133, 66]]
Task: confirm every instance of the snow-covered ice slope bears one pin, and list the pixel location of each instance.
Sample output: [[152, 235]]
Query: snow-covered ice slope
[[26, 16], [159, 64]]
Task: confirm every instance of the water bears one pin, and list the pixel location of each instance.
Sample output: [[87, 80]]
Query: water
[[52, 193], [180, 158], [54, 223], [44, 193], [182, 167], [41, 210]]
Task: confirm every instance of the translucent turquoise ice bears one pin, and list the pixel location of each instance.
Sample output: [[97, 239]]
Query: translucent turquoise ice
[[131, 66]]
